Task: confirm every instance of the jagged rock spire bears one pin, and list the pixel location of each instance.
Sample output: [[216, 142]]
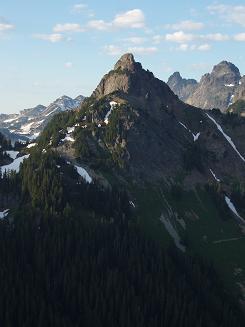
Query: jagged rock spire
[[126, 62]]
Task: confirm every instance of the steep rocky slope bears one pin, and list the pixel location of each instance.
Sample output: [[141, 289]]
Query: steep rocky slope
[[181, 86]]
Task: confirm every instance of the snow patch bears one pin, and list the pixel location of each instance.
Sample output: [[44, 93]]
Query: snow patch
[[15, 165], [112, 104], [25, 129], [51, 112], [229, 140], [4, 213], [183, 126], [229, 85], [84, 174], [70, 129], [31, 145], [196, 136], [10, 120], [232, 208], [231, 100], [172, 232], [214, 176], [12, 154], [132, 204]]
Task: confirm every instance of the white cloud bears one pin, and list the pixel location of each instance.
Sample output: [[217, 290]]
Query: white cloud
[[113, 50], [158, 38], [79, 7], [6, 27], [217, 37], [204, 47], [54, 37], [68, 65], [130, 19], [68, 27], [136, 40], [99, 25], [193, 47], [187, 25], [231, 13], [180, 37], [142, 50], [239, 37]]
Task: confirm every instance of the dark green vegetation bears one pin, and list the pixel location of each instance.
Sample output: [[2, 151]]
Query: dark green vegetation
[[4, 145], [76, 255], [84, 263]]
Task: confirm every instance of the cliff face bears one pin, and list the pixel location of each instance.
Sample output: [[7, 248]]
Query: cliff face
[[181, 86], [218, 89]]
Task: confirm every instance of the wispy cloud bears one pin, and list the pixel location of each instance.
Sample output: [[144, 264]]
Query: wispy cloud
[[230, 13], [67, 27], [193, 47], [136, 40], [79, 7], [239, 37], [53, 37], [68, 65], [130, 19], [114, 50], [143, 50], [216, 37], [5, 26], [187, 25], [180, 37]]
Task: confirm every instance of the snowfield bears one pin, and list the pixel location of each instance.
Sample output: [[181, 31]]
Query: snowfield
[[12, 154], [15, 165]]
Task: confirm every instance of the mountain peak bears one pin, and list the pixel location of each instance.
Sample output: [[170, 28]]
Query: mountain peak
[[126, 62], [226, 68], [134, 83]]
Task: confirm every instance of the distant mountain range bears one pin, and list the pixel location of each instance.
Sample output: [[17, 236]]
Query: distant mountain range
[[30, 122], [219, 89]]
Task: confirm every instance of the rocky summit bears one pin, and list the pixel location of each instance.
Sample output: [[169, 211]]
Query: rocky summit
[[181, 86], [218, 89]]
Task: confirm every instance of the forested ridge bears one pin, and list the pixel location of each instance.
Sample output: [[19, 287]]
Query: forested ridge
[[72, 255]]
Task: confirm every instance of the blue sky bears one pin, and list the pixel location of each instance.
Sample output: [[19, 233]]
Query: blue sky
[[50, 48]]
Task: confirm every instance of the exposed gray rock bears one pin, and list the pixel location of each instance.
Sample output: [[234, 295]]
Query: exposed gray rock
[[181, 86], [218, 89]]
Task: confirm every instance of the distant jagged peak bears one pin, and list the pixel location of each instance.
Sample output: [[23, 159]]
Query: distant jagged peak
[[226, 68]]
